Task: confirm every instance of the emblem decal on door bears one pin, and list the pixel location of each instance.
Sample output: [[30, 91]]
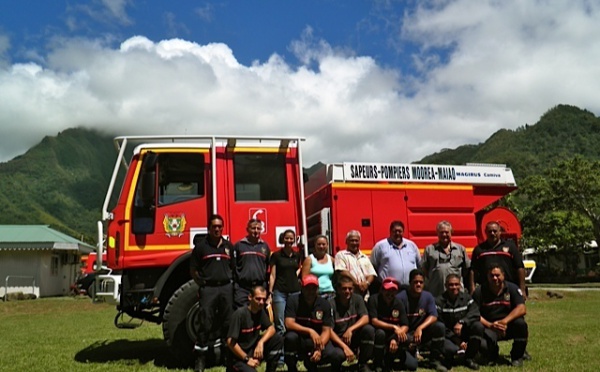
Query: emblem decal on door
[[174, 224]]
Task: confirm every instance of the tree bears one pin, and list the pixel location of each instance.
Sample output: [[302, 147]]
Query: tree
[[563, 205]]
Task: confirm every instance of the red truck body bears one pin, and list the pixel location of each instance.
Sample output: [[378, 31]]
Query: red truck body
[[368, 196], [172, 184]]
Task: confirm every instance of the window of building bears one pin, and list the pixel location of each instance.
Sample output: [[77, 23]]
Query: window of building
[[54, 262], [260, 177]]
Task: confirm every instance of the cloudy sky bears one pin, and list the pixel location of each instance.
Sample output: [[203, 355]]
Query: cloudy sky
[[387, 81]]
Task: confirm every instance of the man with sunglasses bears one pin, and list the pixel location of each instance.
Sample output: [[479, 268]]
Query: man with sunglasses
[[211, 268]]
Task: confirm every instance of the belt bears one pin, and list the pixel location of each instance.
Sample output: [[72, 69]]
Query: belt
[[215, 283]]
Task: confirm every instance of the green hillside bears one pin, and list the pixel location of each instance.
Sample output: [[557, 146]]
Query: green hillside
[[60, 182], [562, 132]]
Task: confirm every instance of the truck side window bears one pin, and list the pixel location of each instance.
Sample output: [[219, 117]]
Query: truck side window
[[180, 177], [260, 177]]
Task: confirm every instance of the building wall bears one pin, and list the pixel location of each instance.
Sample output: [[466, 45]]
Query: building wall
[[53, 272]]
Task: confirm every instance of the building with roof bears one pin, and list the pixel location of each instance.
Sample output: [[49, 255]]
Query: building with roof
[[38, 259]]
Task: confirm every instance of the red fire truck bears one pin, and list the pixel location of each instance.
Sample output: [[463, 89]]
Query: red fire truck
[[173, 183], [368, 196]]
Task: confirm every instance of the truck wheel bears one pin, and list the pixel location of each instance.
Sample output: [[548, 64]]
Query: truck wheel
[[180, 322], [91, 290]]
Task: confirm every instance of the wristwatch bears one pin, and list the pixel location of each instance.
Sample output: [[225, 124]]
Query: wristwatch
[[246, 358]]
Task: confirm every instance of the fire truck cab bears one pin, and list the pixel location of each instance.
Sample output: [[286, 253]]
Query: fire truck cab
[[171, 185]]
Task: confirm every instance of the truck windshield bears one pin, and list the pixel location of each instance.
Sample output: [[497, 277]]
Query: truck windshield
[[260, 177]]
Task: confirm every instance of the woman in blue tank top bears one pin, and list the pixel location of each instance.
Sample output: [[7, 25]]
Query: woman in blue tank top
[[320, 264]]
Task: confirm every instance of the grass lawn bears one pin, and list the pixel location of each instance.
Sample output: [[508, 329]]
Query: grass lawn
[[72, 334]]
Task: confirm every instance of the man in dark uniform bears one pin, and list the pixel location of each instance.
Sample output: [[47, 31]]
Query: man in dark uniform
[[352, 331], [496, 251], [391, 328], [422, 318], [309, 323], [252, 337], [502, 308], [460, 314], [211, 269], [252, 256]]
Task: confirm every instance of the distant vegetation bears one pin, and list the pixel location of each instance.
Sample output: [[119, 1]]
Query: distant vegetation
[[62, 181]]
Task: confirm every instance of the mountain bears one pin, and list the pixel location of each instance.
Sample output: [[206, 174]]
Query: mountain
[[561, 132], [62, 181]]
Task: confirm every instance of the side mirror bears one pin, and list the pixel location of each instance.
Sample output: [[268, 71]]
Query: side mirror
[[148, 179]]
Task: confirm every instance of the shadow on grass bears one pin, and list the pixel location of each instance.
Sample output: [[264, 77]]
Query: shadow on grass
[[143, 351]]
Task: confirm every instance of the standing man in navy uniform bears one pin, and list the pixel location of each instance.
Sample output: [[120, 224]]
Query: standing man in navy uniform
[[252, 337], [211, 269], [496, 251], [502, 308], [309, 325], [252, 257]]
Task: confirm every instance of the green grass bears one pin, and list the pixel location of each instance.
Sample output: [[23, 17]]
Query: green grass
[[72, 334]]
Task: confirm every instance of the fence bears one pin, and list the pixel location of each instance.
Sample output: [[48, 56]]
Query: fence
[[8, 277]]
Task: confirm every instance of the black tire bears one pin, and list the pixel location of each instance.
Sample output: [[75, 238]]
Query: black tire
[[91, 290], [180, 322]]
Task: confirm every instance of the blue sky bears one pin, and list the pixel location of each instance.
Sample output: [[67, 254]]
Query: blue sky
[[385, 81]]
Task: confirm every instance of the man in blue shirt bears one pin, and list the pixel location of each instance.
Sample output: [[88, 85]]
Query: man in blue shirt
[[395, 256], [423, 326]]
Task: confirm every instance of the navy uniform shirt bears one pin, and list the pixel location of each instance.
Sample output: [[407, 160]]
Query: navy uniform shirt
[[314, 317], [345, 317], [213, 262], [495, 307], [463, 308], [505, 254], [392, 314], [247, 328], [417, 309], [251, 262]]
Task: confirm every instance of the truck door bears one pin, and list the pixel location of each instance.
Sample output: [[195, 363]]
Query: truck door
[[180, 199], [388, 205], [262, 185], [368, 210]]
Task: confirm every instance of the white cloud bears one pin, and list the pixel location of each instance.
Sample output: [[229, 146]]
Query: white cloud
[[117, 8], [508, 63]]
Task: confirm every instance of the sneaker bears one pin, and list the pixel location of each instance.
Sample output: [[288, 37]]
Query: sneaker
[[470, 363], [517, 363], [526, 356], [438, 366]]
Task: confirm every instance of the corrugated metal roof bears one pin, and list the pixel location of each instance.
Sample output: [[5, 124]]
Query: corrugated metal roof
[[38, 237]]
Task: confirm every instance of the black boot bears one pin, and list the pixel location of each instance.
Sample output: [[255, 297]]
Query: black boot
[[200, 363]]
